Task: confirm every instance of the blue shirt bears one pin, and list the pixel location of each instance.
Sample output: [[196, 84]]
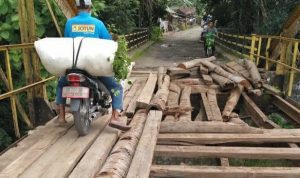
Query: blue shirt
[[83, 25]]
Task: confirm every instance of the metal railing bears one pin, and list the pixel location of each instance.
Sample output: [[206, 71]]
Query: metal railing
[[134, 40], [258, 48]]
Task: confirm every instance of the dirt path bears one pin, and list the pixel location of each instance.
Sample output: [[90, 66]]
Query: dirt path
[[174, 48]]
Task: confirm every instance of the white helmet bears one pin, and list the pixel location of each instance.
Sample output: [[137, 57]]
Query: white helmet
[[83, 3]]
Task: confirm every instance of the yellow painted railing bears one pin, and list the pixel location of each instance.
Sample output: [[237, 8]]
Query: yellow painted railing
[[258, 47], [134, 40]]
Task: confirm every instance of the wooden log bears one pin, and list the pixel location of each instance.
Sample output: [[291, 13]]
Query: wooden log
[[217, 69], [228, 69], [161, 96], [189, 81], [195, 62], [221, 138], [117, 164], [95, 157], [206, 127], [215, 110], [132, 92], [132, 106], [272, 90], [232, 102], [254, 73], [207, 79], [224, 172], [160, 76], [203, 69], [185, 102], [195, 72], [30, 155], [225, 83], [170, 118], [142, 160], [77, 147], [144, 98], [174, 94], [175, 72], [238, 68], [228, 152]]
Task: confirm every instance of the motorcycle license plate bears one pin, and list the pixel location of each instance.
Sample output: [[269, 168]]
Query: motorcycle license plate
[[75, 92]]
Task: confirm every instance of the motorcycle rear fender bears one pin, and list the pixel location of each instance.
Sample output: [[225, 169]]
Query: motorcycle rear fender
[[74, 105]]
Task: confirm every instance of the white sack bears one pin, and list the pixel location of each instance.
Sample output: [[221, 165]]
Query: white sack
[[96, 55]]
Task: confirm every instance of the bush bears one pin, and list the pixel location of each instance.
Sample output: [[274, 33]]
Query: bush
[[156, 34], [5, 140]]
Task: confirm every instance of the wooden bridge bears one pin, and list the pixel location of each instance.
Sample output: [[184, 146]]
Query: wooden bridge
[[186, 122]]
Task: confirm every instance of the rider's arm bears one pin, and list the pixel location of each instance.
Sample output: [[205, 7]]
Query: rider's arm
[[67, 29]]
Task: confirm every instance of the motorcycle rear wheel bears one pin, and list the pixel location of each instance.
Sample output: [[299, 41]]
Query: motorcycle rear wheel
[[81, 118]]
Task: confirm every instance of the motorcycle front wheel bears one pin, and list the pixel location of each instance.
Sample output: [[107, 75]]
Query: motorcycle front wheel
[[209, 52], [81, 117]]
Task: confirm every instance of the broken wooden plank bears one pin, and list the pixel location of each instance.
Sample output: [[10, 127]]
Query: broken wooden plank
[[195, 62], [232, 102], [224, 172], [144, 98], [95, 157], [256, 113], [185, 102], [207, 108], [206, 127], [215, 110], [221, 138], [160, 98], [117, 164], [142, 160], [72, 153], [287, 108], [228, 152]]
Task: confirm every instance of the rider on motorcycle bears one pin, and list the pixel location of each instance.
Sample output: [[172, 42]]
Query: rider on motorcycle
[[83, 25], [211, 29]]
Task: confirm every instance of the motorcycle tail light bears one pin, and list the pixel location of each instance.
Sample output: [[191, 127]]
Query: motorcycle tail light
[[75, 78]]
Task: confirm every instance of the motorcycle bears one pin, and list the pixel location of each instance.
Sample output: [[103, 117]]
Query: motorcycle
[[209, 44], [89, 98]]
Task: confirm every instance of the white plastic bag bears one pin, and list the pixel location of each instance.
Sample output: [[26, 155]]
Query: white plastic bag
[[96, 55]]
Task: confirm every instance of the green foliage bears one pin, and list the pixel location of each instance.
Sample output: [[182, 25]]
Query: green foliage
[[156, 34], [5, 139], [122, 60], [280, 121]]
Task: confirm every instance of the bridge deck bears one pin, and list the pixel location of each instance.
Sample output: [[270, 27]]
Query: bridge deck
[[57, 151]]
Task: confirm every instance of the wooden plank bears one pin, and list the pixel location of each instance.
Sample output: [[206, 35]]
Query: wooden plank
[[29, 156], [287, 108], [256, 114], [133, 101], [228, 152], [66, 152], [213, 103], [147, 92], [142, 160], [95, 157], [203, 138], [132, 92], [160, 76], [207, 108], [224, 172], [185, 102], [232, 102], [206, 127]]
